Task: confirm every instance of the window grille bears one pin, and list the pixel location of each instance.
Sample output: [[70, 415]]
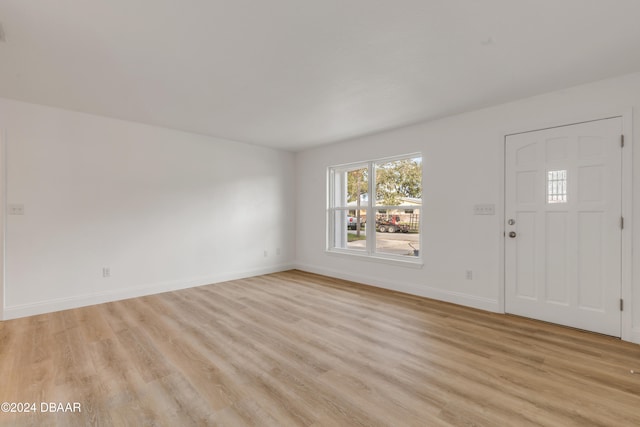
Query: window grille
[[557, 186]]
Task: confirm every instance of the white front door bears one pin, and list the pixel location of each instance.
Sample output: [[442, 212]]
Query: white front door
[[563, 225]]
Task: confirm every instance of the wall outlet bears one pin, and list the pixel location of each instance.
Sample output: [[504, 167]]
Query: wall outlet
[[266, 253], [278, 251], [16, 209], [484, 209], [469, 275], [106, 272]]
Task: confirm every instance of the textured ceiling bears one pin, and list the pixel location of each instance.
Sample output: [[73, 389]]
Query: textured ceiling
[[293, 74]]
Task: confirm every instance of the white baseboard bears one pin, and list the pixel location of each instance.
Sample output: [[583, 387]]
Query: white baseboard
[[24, 310], [459, 298], [634, 337]]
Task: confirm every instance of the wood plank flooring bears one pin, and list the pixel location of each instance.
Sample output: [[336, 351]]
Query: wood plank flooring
[[297, 349]]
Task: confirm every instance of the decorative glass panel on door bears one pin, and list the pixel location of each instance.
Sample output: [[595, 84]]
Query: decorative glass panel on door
[[557, 186]]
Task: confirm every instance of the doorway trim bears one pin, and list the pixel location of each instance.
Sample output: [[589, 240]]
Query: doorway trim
[[3, 217], [626, 326]]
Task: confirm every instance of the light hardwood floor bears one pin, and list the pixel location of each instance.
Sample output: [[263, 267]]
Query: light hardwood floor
[[297, 349]]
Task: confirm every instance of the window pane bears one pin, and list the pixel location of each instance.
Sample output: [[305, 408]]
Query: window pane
[[399, 183], [398, 233], [557, 186], [347, 234], [348, 185], [357, 184]]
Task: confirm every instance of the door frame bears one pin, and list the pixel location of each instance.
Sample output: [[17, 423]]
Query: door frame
[[3, 216], [626, 318]]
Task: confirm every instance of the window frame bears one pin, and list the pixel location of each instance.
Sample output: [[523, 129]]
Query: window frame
[[370, 252]]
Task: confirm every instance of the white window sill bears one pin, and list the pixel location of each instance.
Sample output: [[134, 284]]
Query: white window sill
[[377, 258]]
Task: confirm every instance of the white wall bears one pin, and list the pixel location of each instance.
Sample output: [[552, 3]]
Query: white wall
[[463, 165], [163, 209]]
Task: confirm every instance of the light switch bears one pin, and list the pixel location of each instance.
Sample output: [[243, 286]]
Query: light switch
[[16, 209], [484, 209]]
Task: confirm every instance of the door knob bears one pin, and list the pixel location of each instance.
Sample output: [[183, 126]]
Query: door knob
[[512, 234]]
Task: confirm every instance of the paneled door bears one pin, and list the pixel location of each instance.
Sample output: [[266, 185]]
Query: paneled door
[[563, 231]]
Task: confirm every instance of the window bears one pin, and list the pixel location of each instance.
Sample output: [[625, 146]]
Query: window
[[557, 186], [384, 225]]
